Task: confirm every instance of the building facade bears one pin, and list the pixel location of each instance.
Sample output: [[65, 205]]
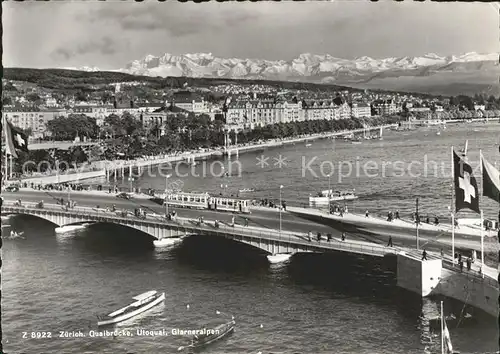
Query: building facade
[[36, 121], [361, 110]]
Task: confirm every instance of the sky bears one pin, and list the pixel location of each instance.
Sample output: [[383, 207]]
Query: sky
[[108, 35]]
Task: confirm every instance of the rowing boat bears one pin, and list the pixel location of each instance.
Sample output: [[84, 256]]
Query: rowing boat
[[211, 336]]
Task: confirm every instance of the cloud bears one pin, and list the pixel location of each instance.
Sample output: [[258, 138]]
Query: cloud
[[104, 46], [178, 21]]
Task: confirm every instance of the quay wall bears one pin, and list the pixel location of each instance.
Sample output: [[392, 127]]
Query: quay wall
[[470, 290], [64, 178]]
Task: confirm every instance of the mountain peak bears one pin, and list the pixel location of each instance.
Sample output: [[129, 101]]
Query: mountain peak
[[307, 66]]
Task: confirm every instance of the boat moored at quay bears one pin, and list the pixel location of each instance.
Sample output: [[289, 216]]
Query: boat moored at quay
[[329, 195]]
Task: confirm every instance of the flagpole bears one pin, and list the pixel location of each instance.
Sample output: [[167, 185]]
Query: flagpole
[[442, 329], [6, 166], [10, 174], [417, 219], [452, 209], [481, 212]]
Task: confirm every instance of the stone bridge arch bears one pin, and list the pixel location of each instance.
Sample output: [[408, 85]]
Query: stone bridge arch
[[154, 230]]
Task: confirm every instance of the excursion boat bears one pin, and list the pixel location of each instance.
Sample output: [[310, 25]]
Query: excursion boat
[[211, 336], [143, 302], [167, 241], [70, 228], [327, 196]]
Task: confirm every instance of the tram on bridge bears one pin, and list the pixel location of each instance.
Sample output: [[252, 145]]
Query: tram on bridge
[[205, 201]]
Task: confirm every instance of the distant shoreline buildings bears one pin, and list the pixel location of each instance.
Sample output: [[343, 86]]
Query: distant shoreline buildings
[[239, 106]]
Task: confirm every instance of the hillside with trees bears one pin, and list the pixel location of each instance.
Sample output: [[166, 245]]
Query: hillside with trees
[[98, 80]]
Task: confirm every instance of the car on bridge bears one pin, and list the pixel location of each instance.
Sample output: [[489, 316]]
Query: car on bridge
[[12, 188], [124, 196]]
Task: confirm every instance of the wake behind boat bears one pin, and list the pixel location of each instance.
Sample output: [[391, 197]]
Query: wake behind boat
[[143, 302]]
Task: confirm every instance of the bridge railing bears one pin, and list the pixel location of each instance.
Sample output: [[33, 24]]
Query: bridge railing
[[192, 226]]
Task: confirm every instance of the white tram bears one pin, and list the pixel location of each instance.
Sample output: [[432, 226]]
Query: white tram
[[205, 201]]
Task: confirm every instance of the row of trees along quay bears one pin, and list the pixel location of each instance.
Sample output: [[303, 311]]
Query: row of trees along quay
[[126, 138]]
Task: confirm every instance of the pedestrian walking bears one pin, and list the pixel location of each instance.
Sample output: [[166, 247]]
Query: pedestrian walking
[[461, 264], [389, 244], [469, 263], [232, 221], [367, 214], [424, 255], [246, 221], [442, 253], [343, 236]]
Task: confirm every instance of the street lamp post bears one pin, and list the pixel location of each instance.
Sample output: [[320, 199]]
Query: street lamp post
[[166, 193], [131, 179], [281, 206]]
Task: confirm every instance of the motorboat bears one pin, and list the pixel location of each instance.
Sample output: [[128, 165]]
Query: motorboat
[[15, 235], [278, 258], [210, 336], [167, 241], [246, 190], [143, 302], [71, 228], [308, 144], [327, 196]]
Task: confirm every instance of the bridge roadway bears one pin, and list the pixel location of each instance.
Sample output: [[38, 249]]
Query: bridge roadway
[[271, 241], [266, 239], [260, 217]]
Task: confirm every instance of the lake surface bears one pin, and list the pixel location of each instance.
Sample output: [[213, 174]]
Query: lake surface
[[316, 304]]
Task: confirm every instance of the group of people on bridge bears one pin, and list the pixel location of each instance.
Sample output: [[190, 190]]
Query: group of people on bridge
[[335, 208], [329, 236]]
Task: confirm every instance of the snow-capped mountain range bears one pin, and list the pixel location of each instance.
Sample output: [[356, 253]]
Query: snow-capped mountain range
[[311, 66], [463, 74]]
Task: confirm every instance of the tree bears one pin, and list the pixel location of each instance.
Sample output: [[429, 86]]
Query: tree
[[74, 125], [9, 86], [32, 97], [6, 101]]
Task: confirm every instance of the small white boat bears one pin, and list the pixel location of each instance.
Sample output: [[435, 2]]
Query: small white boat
[[278, 258], [15, 235], [308, 144], [71, 228], [327, 196], [167, 241], [143, 302], [246, 190]]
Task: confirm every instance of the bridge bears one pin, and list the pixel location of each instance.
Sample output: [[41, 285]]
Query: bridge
[[158, 227], [436, 275]]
